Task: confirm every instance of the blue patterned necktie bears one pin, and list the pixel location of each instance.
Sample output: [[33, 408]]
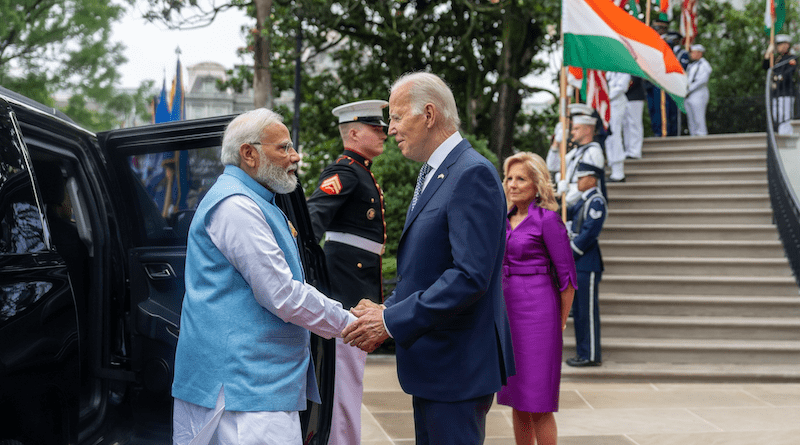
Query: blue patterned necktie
[[423, 172]]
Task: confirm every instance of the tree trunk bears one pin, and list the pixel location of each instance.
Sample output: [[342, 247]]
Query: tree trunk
[[262, 78], [514, 64]]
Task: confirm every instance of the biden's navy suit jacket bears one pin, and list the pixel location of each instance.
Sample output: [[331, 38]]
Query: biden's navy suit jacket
[[447, 313]]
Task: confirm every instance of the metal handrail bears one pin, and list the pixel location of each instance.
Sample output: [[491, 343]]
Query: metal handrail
[[785, 205]]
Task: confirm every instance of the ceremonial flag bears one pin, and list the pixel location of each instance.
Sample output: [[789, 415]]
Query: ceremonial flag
[[176, 96], [775, 13], [162, 107], [689, 21], [601, 36], [597, 94], [664, 10], [632, 6], [166, 175]]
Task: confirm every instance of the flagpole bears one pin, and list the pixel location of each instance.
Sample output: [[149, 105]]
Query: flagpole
[[772, 42], [647, 13], [562, 148]]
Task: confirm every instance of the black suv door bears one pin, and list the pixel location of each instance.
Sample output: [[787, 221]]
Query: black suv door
[[160, 173]]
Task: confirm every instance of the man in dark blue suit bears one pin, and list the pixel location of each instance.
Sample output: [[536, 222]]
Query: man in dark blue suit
[[447, 313]]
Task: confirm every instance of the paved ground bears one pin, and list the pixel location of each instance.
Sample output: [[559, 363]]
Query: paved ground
[[610, 413]]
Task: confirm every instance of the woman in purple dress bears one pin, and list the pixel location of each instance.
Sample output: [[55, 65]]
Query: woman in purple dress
[[539, 281]]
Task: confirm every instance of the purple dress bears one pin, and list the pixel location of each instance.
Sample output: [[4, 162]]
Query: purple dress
[[534, 248]]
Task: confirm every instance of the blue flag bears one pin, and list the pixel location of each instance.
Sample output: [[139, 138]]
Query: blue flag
[[166, 175]]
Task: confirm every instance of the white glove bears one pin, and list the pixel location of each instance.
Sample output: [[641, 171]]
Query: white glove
[[558, 133], [562, 187], [770, 48]]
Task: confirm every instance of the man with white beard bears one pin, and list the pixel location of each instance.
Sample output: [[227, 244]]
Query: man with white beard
[[243, 369]]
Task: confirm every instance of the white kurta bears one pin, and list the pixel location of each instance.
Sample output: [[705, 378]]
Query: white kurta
[[306, 307]]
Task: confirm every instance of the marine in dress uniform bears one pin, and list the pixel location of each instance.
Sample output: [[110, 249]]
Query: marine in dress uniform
[[782, 88], [347, 212], [587, 151], [553, 158], [696, 101], [584, 222], [632, 125], [618, 84]]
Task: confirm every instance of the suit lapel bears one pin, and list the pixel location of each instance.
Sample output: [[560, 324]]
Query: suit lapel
[[438, 178]]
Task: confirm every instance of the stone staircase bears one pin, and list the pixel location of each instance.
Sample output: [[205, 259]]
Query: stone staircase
[[696, 284]]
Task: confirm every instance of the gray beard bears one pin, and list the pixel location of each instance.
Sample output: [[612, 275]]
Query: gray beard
[[275, 178]]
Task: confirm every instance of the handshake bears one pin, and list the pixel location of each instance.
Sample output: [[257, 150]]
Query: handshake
[[368, 331]]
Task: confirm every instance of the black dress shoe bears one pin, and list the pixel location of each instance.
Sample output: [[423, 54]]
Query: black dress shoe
[[616, 180], [579, 362]]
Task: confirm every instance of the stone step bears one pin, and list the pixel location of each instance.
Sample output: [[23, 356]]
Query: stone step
[[699, 305], [696, 327], [636, 175], [689, 216], [685, 188], [678, 151], [689, 266], [685, 232], [699, 285], [708, 352], [691, 248], [671, 372], [620, 201], [686, 161], [694, 143]]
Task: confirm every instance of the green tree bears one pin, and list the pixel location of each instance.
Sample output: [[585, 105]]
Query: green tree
[[49, 46]]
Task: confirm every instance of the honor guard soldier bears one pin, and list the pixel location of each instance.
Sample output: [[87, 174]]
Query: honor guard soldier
[[587, 151], [346, 211], [584, 222], [782, 88], [696, 101]]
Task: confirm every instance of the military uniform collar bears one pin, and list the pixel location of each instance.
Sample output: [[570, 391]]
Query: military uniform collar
[[358, 158], [589, 193]]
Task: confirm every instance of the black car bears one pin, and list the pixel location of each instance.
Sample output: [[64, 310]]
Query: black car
[[92, 248]]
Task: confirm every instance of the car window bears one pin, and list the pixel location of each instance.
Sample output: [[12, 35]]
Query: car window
[[21, 220], [169, 185]]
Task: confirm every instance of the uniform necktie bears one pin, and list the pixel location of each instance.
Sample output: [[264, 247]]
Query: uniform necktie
[[423, 172]]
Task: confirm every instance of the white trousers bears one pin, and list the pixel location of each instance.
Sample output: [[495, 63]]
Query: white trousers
[[615, 152], [197, 425], [695, 106], [782, 107], [348, 390], [633, 129]]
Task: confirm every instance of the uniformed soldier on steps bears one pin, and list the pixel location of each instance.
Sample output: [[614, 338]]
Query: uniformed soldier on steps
[[347, 212], [585, 220]]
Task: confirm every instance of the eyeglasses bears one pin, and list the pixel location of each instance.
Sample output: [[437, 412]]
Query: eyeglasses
[[286, 146]]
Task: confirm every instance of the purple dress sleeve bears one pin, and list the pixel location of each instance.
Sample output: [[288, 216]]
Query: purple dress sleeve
[[557, 242]]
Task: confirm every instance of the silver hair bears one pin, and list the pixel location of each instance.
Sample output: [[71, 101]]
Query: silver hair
[[430, 88], [244, 129]]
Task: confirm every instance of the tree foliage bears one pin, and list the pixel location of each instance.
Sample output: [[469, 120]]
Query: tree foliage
[[49, 46]]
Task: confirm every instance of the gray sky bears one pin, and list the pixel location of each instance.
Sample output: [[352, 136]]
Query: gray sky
[[151, 48]]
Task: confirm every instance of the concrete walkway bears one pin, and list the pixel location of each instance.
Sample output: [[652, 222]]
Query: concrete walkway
[[613, 412]]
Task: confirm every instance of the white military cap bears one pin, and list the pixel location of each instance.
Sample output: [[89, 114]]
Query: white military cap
[[783, 38], [580, 109], [368, 112], [582, 119], [698, 47]]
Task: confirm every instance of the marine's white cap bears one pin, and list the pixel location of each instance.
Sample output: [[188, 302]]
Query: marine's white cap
[[580, 109], [698, 47], [582, 119], [783, 38], [368, 112]]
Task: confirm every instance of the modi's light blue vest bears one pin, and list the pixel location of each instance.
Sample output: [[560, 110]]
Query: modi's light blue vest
[[227, 338]]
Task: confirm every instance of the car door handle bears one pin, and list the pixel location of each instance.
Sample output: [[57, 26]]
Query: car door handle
[[159, 271]]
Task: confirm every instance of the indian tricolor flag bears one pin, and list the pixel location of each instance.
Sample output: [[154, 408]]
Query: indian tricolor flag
[[774, 14], [599, 35]]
